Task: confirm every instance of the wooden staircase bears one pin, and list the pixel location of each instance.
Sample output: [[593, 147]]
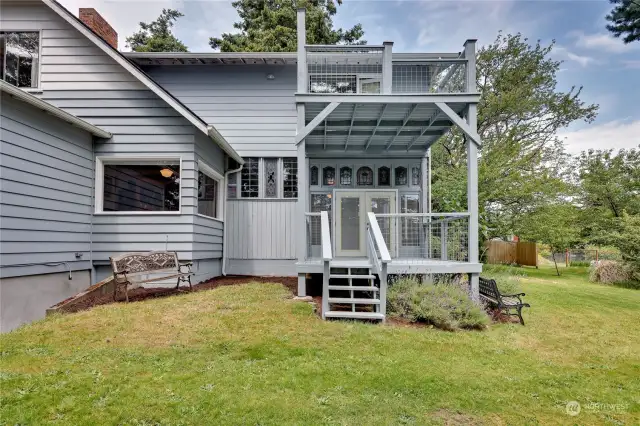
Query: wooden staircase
[[352, 293]]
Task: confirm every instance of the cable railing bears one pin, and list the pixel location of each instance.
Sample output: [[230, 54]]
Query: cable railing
[[416, 237]]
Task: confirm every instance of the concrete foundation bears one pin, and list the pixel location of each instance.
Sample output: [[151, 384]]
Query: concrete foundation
[[25, 299]]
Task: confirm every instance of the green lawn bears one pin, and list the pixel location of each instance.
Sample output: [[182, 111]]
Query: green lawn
[[251, 355]]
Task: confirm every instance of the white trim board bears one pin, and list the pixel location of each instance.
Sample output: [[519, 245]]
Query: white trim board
[[144, 79]]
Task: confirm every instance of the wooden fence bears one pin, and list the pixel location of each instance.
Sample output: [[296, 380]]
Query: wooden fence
[[504, 252]]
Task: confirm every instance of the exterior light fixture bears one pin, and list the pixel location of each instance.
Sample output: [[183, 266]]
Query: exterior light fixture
[[271, 77], [166, 172]]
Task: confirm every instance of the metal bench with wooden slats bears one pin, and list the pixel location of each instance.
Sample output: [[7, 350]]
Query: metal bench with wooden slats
[[505, 302], [139, 268]]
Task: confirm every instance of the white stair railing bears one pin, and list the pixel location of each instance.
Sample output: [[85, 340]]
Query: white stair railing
[[327, 256], [379, 254]]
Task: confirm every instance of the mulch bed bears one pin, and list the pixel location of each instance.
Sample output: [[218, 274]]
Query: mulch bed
[[141, 293]]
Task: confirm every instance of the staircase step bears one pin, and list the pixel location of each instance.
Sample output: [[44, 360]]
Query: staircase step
[[359, 277], [349, 300], [354, 315], [354, 287]]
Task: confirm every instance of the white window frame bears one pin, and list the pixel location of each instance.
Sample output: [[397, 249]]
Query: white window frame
[[133, 160], [209, 171], [237, 178], [37, 89]]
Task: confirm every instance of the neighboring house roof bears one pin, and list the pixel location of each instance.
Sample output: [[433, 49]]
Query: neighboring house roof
[[251, 58], [145, 79], [20, 94]]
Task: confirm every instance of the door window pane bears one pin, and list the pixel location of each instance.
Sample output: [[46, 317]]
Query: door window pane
[[249, 178], [350, 223], [133, 188], [207, 195]]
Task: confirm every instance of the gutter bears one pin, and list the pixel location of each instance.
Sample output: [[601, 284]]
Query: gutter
[[222, 143], [224, 229]]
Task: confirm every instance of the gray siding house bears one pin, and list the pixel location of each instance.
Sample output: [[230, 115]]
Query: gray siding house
[[313, 164]]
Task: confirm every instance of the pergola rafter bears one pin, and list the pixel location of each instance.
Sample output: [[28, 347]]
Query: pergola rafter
[[375, 129], [404, 123], [433, 119], [353, 117]]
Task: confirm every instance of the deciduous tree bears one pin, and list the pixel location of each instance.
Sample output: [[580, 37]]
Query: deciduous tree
[[522, 163]]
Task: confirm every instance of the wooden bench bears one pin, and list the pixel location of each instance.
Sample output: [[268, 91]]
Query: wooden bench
[[139, 268], [505, 302]]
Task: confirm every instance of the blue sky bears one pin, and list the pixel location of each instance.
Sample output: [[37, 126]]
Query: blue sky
[[608, 69]]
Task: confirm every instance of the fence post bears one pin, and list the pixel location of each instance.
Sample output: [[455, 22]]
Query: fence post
[[596, 255], [566, 258]]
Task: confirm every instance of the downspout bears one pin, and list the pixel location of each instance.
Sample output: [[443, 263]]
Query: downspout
[[224, 227], [92, 271]]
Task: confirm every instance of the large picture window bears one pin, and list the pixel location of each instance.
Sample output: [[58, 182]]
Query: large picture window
[[141, 187], [20, 58], [209, 195]]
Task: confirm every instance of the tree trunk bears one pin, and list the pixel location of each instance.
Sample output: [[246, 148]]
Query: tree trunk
[[555, 263]]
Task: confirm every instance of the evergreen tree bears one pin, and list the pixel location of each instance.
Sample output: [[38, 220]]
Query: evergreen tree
[[270, 26], [157, 35], [625, 20]]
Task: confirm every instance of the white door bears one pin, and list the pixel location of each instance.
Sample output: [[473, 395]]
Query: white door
[[351, 208]]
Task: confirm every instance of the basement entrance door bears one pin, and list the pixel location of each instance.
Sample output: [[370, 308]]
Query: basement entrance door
[[351, 211]]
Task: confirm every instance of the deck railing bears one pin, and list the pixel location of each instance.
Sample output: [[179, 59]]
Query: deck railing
[[318, 236], [367, 69], [425, 236]]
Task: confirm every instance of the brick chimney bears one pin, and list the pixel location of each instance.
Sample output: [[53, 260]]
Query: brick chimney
[[92, 19]]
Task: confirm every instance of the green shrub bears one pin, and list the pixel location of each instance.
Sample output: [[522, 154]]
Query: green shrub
[[581, 263], [446, 306]]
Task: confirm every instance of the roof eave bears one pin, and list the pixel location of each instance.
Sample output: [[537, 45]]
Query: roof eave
[[20, 94]]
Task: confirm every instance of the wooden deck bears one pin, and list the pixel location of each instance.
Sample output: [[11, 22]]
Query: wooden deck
[[396, 266]]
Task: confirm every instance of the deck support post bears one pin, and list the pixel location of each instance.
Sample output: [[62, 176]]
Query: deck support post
[[326, 271], [387, 67], [472, 168], [383, 290], [303, 169]]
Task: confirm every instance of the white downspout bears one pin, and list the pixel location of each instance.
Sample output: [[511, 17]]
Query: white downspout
[[224, 227]]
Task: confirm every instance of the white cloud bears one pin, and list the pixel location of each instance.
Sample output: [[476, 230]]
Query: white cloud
[[632, 64], [614, 134], [601, 41], [582, 60]]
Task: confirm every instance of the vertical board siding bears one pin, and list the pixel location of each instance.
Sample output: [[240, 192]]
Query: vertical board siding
[[261, 229], [256, 116], [46, 171], [80, 78]]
